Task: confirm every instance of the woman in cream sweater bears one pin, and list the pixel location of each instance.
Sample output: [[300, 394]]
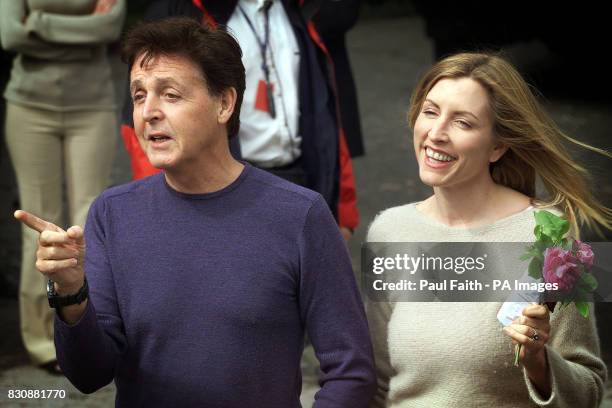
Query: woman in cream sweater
[[480, 140]]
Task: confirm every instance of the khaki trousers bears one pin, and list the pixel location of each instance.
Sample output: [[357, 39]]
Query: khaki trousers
[[50, 150]]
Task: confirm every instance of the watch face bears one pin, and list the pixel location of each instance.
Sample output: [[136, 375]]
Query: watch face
[[51, 288]]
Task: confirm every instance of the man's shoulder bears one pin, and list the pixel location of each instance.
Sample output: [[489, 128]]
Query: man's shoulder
[[132, 188], [282, 189]]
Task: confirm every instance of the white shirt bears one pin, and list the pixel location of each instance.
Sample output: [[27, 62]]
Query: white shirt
[[264, 140]]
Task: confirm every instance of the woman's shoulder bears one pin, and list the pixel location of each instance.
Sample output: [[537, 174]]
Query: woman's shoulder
[[399, 211], [392, 221], [554, 210]]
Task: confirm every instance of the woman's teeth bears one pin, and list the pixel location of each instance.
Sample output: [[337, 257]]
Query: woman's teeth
[[438, 156]]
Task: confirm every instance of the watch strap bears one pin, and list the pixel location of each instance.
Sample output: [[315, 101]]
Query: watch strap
[[56, 301]]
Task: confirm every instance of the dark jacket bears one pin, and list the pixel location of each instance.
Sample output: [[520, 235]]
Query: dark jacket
[[333, 20]]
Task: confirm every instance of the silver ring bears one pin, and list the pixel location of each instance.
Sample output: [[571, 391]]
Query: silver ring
[[535, 336]]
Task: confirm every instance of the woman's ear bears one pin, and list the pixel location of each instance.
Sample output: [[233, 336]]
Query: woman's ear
[[498, 151], [227, 104]]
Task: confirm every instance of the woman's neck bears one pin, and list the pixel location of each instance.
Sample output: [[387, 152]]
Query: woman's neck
[[473, 204]]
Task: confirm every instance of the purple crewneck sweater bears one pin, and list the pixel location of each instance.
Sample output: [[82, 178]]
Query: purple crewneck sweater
[[203, 299]]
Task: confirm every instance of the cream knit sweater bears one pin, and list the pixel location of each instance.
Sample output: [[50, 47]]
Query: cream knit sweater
[[454, 354]]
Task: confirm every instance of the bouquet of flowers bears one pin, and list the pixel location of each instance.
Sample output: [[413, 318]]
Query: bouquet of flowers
[[560, 260]]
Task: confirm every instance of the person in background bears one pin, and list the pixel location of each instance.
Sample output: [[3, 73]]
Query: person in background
[[481, 140], [333, 20], [60, 128], [290, 114]]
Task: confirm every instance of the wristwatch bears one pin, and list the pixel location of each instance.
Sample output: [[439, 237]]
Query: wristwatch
[[57, 301]]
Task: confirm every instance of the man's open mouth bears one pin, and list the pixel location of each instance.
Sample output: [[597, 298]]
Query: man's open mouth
[[159, 138]]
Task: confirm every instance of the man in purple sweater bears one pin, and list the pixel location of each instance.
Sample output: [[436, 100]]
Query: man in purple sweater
[[202, 280]]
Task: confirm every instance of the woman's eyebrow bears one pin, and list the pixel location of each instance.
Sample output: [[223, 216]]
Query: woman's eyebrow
[[459, 112], [464, 112], [431, 102]]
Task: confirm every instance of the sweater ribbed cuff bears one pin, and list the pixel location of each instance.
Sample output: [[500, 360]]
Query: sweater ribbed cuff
[[534, 394]]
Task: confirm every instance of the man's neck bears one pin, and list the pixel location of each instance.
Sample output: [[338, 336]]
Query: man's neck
[[207, 176]]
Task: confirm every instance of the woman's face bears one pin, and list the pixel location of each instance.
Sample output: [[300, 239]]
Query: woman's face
[[453, 134]]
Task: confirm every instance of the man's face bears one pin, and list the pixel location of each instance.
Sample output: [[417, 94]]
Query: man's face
[[176, 119]]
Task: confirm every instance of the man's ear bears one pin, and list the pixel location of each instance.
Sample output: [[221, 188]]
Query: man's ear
[[227, 104]]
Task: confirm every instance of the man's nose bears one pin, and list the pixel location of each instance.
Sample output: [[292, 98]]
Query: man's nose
[[151, 109]]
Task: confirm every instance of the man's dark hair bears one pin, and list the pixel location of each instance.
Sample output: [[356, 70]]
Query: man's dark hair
[[213, 50]]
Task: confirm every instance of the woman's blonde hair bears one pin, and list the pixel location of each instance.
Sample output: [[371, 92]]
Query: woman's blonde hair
[[535, 143]]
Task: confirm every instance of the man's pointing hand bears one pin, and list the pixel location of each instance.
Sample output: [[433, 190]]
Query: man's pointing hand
[[60, 253]]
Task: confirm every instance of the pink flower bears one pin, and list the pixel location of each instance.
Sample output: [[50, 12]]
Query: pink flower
[[584, 253], [560, 267]]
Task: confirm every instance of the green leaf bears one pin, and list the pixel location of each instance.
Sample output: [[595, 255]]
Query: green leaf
[[532, 251], [538, 247], [567, 244], [535, 268], [583, 308], [537, 231], [580, 294], [589, 281], [551, 225], [545, 242], [564, 227], [582, 286]]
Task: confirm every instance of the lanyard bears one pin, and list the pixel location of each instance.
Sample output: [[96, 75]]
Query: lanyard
[[263, 47]]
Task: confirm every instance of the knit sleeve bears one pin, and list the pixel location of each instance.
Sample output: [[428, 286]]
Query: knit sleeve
[[90, 350], [379, 314], [332, 311], [15, 37], [78, 29], [577, 373]]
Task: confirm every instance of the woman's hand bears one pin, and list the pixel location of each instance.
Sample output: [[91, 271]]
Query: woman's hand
[[103, 6], [532, 332]]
